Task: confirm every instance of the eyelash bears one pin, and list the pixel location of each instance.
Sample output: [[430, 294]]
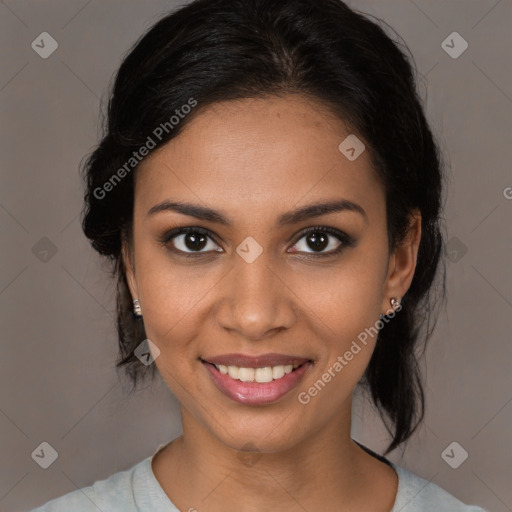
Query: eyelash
[[346, 240]]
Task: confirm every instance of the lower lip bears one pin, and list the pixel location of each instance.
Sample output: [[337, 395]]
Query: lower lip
[[256, 393]]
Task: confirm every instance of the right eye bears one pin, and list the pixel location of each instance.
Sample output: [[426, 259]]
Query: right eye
[[189, 241]]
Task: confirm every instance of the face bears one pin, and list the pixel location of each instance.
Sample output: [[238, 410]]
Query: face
[[250, 278]]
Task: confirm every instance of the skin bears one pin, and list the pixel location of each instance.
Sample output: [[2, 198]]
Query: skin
[[253, 160]]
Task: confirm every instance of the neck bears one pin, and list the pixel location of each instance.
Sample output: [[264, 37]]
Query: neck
[[314, 473]]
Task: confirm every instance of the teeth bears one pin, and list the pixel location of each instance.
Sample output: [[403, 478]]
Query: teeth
[[278, 372], [233, 372], [266, 374], [263, 374], [246, 374]]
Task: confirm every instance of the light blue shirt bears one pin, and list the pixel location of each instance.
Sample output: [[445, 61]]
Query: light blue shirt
[[138, 490]]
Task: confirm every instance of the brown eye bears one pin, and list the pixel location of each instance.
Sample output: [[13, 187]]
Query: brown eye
[[193, 241], [323, 241], [190, 240]]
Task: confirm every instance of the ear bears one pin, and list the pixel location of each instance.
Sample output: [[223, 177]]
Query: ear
[[128, 261], [402, 263]]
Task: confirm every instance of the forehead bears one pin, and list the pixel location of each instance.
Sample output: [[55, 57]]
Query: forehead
[[271, 153]]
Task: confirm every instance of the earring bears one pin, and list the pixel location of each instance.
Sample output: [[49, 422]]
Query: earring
[[137, 311], [394, 304]]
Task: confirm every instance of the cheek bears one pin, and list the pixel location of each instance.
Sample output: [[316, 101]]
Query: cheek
[[348, 303], [171, 293], [348, 298]]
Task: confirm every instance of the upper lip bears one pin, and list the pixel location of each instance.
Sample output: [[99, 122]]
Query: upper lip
[[260, 361]]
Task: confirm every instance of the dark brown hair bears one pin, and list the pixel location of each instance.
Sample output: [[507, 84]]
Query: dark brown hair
[[228, 49]]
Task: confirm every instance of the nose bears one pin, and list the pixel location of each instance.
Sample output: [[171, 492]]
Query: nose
[[255, 302]]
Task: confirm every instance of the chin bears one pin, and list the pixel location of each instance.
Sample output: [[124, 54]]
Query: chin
[[263, 436]]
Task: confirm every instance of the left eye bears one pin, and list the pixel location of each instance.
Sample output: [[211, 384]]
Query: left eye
[[321, 241]]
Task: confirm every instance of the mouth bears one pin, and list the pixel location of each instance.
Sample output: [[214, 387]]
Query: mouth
[[261, 375], [254, 383]]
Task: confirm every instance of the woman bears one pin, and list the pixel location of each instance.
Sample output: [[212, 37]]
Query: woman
[[269, 192]]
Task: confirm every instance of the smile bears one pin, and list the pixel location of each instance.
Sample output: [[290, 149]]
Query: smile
[[256, 385], [265, 374]]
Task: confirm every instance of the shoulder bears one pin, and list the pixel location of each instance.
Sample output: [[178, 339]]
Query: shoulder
[[115, 493], [416, 494]]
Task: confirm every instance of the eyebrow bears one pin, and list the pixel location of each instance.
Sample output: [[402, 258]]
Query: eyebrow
[[289, 218]]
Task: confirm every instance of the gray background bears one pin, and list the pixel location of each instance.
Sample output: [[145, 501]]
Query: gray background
[[58, 340]]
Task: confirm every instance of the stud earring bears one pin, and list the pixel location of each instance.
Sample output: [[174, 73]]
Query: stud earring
[[137, 311], [394, 302]]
